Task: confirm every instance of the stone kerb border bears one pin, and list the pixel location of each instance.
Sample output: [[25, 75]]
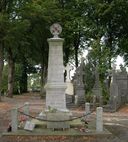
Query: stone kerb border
[[25, 112]]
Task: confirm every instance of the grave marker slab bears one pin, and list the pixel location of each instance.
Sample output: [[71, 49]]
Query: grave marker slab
[[29, 126]]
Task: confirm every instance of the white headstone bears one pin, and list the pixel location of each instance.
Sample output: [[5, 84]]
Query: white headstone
[[99, 119], [70, 89], [14, 120], [87, 108], [29, 126], [68, 69]]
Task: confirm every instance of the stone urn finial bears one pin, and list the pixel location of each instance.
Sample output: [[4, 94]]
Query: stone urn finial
[[55, 30]]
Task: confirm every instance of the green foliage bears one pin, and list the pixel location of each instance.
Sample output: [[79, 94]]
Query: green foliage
[[16, 80], [3, 25], [24, 28], [17, 77], [34, 82], [89, 96], [18, 86], [89, 77], [105, 94]]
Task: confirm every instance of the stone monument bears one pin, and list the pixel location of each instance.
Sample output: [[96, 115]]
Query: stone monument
[[122, 81], [55, 87], [118, 89], [97, 90], [114, 91], [79, 83]]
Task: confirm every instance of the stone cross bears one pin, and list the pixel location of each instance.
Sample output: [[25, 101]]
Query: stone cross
[[68, 69], [80, 73]]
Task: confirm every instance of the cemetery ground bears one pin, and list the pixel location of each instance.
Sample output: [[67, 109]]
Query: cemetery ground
[[116, 123]]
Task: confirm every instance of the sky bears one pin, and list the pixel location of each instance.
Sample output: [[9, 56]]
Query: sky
[[119, 61]]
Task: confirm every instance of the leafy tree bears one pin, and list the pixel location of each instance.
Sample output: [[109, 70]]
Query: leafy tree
[[103, 21], [12, 39], [3, 30], [72, 23], [24, 30]]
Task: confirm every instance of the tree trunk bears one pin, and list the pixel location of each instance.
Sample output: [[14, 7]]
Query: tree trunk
[[11, 67], [43, 80], [24, 79], [1, 65], [76, 56], [109, 78], [111, 53], [76, 46]]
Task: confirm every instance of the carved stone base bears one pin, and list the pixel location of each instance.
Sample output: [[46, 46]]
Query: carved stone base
[[55, 97]]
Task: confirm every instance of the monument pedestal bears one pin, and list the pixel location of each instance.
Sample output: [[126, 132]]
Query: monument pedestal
[[58, 116], [56, 96]]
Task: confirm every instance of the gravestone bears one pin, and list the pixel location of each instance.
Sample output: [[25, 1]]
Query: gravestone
[[14, 119], [114, 91], [118, 90], [87, 111], [122, 81], [99, 119], [69, 90], [29, 126], [55, 87], [97, 90], [79, 83]]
